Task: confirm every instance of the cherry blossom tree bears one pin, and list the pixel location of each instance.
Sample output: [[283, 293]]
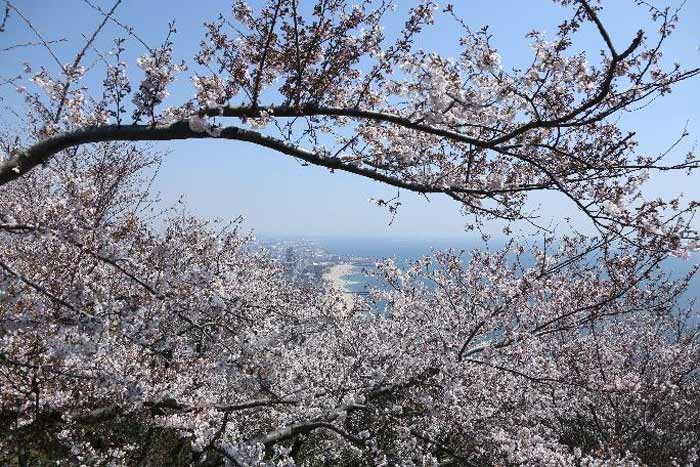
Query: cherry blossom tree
[[137, 335]]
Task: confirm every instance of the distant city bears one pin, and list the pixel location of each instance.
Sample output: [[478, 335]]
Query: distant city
[[309, 263]]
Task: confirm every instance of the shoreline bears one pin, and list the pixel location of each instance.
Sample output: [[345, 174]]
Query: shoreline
[[335, 277]]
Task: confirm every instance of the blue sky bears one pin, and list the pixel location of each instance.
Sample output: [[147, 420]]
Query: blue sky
[[275, 194]]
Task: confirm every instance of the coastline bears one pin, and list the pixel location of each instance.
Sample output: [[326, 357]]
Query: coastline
[[334, 276]]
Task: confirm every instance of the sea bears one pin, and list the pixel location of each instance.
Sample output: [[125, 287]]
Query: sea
[[406, 251], [402, 251]]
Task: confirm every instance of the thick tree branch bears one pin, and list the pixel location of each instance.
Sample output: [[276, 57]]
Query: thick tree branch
[[316, 110], [304, 428], [44, 150]]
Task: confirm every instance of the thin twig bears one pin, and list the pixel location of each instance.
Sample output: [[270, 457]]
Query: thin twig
[[44, 42], [30, 44]]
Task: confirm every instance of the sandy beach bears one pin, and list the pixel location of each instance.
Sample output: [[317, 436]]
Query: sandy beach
[[334, 276]]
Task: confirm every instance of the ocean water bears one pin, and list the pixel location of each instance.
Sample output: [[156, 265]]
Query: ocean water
[[406, 251], [398, 249], [402, 251]]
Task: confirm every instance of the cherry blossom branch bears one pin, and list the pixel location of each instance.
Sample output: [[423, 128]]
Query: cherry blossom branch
[[78, 59], [385, 117], [41, 152], [603, 32], [38, 288], [263, 57], [303, 428], [25, 228], [316, 110]]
